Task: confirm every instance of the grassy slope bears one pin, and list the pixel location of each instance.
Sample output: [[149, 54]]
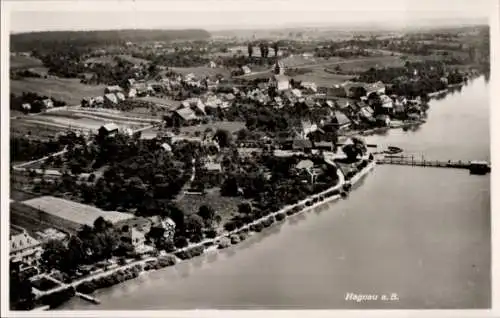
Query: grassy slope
[[69, 90], [17, 62]]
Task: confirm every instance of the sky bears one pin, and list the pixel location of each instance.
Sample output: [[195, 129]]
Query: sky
[[218, 15]]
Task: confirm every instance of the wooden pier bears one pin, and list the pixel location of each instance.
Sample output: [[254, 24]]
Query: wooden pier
[[88, 298], [415, 162]]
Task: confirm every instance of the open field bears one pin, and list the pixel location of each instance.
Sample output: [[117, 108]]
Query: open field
[[110, 59], [22, 127], [223, 206], [201, 71], [48, 124], [322, 78], [134, 60], [69, 90], [18, 62], [300, 60]]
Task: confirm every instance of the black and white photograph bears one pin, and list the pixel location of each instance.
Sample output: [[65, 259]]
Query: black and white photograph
[[218, 155]]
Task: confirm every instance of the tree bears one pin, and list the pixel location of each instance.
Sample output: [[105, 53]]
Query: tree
[[21, 294], [180, 241], [250, 49], [194, 224], [276, 48], [245, 208], [55, 255], [223, 137], [207, 213]]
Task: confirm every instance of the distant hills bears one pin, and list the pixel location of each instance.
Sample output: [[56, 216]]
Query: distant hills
[[47, 39]]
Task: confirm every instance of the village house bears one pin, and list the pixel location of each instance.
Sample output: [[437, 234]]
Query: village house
[[337, 91], [377, 87], [386, 105], [166, 224], [324, 145], [306, 171], [184, 117], [50, 234], [383, 120], [120, 97], [166, 147], [23, 247], [297, 93], [98, 101], [112, 89], [278, 102], [110, 100], [310, 87], [108, 130], [366, 113], [303, 145], [132, 93], [196, 105], [47, 103], [212, 64], [280, 82], [69, 216], [246, 70], [26, 106], [343, 102], [213, 172], [338, 121]]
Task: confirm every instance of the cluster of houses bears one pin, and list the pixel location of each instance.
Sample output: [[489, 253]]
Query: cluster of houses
[[350, 102], [46, 103]]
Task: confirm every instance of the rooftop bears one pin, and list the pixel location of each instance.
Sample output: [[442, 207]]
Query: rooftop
[[74, 211], [110, 127], [186, 113]]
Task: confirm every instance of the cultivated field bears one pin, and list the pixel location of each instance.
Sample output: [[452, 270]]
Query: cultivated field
[[322, 78], [69, 90], [80, 119], [21, 127], [110, 59], [18, 62]]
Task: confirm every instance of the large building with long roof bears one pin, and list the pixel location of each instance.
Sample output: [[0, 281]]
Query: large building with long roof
[[70, 216]]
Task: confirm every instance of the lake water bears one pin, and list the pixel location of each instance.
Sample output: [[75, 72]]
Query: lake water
[[420, 233]]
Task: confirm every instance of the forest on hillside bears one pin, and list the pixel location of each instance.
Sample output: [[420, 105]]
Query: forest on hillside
[[47, 40]]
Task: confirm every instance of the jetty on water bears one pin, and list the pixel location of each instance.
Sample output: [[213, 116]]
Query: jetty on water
[[475, 167]]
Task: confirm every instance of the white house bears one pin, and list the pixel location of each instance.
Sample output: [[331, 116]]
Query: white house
[[279, 82], [48, 103], [120, 96], [246, 69], [110, 99], [23, 247], [132, 93], [309, 86]]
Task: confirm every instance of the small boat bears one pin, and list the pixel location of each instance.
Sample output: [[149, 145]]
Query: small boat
[[393, 149], [479, 167]]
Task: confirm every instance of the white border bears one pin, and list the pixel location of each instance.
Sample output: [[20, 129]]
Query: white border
[[224, 5]]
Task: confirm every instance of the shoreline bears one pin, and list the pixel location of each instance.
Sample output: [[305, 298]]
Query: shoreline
[[216, 243]]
